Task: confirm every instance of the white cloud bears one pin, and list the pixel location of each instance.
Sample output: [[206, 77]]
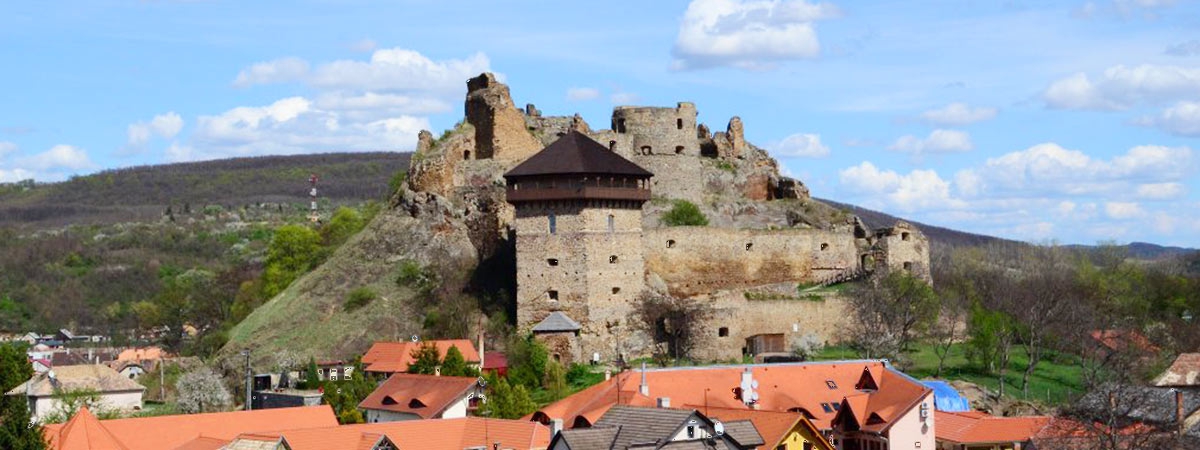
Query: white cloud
[[398, 69], [165, 126], [576, 94], [749, 34], [919, 189], [1188, 48], [803, 145], [1049, 169], [58, 157], [363, 45], [958, 114], [1123, 210], [1182, 119], [1121, 87], [281, 70], [1160, 191], [938, 141], [624, 98], [6, 148], [14, 175]]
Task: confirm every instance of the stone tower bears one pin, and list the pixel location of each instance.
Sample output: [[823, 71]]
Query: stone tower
[[579, 246]]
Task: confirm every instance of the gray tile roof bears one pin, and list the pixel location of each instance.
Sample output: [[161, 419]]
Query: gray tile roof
[[575, 153], [744, 432], [556, 321], [590, 438], [643, 425], [1143, 403]]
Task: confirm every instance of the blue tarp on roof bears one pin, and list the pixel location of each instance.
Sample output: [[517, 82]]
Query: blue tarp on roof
[[946, 399]]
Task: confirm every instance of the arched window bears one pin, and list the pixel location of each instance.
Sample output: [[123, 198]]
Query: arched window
[[553, 223]]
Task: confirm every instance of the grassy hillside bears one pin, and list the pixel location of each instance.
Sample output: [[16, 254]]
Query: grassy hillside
[[144, 193]]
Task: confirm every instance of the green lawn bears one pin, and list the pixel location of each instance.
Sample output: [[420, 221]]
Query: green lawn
[[1056, 380]]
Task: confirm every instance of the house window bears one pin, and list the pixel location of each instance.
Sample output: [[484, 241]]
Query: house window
[[723, 332], [553, 294], [904, 236], [553, 223], [612, 224], [691, 431], [612, 259], [552, 261], [616, 290], [670, 243]]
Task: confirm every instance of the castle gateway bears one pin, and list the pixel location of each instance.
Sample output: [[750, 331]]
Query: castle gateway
[[579, 245]]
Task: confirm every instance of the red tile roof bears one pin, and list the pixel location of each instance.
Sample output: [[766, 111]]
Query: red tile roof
[[393, 357], [168, 432], [494, 361], [1184, 372], [1119, 340], [805, 387], [964, 428], [439, 434], [424, 395], [773, 426]]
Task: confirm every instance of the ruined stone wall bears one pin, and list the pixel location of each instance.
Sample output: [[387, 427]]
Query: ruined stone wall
[[903, 247], [743, 318], [659, 131], [500, 129], [701, 260], [599, 270]]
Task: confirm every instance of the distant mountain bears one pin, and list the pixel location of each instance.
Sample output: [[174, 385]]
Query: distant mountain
[[143, 193]]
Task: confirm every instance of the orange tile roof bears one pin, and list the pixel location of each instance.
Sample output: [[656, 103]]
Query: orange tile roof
[[393, 357], [773, 426], [975, 429], [1119, 340], [437, 434], [168, 432], [141, 354], [424, 395], [83, 432], [782, 387]]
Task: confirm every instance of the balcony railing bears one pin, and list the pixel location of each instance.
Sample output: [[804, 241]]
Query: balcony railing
[[533, 194]]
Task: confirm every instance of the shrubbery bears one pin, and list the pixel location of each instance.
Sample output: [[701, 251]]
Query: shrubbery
[[684, 213]]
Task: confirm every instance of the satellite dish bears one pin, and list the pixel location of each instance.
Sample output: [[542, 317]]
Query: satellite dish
[[754, 396], [50, 374], [718, 428]]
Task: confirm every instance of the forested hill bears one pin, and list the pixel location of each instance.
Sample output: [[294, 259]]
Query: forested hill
[[143, 193]]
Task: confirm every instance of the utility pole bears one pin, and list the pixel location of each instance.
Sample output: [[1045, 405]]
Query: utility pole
[[249, 377], [162, 379]]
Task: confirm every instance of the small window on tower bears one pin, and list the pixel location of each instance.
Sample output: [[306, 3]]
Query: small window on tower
[[553, 223], [904, 236], [679, 124], [723, 332], [824, 246], [552, 261], [678, 149], [612, 259], [749, 245], [908, 266], [670, 243], [616, 290], [612, 223], [553, 294]]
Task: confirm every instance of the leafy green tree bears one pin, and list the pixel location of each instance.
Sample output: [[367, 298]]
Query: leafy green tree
[[506, 401], [344, 224], [991, 336], [359, 298], [455, 365], [15, 430], [555, 381], [684, 213], [345, 395], [294, 250], [527, 359], [397, 182], [426, 359], [312, 379]]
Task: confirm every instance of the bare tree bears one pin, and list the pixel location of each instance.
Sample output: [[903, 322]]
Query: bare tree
[[1045, 298], [889, 311], [201, 390]]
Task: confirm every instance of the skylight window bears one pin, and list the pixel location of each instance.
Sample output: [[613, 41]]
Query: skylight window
[[826, 407], [831, 384]]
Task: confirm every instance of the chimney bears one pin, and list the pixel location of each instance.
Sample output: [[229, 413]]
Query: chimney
[[556, 426], [607, 374], [1179, 410], [480, 352], [644, 388], [664, 402]]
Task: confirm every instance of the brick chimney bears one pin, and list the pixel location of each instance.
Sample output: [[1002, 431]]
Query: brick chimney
[[1179, 419]]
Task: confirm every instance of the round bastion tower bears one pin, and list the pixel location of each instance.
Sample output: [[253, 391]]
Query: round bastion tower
[[579, 247]]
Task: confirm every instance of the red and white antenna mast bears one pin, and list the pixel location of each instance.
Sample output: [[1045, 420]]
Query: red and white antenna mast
[[312, 197]]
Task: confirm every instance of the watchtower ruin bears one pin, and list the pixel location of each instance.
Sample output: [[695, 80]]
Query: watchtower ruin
[[578, 208]]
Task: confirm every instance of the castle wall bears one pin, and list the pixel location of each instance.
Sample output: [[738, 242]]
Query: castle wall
[[660, 131], [699, 260], [500, 129], [903, 247], [743, 318]]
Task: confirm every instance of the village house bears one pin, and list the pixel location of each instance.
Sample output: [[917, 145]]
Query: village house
[[862, 404], [631, 427], [116, 393], [413, 397], [780, 430], [85, 432], [442, 434], [1184, 373], [386, 358], [974, 430]]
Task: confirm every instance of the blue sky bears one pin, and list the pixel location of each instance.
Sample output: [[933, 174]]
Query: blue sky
[[1068, 121]]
